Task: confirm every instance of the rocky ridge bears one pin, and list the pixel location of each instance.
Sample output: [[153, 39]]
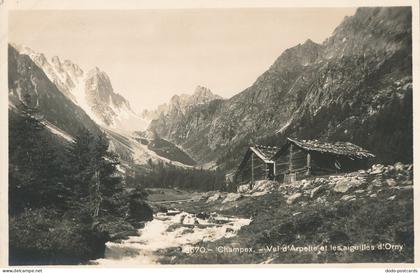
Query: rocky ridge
[[341, 90], [92, 91], [180, 104]]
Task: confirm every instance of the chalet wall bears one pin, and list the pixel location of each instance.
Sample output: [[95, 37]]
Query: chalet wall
[[298, 161], [322, 164], [327, 163], [245, 174], [292, 164]]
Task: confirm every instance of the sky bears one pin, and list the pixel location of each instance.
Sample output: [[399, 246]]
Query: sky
[[150, 55]]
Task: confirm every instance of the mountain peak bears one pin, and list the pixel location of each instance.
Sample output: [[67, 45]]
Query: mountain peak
[[73, 68], [299, 55], [96, 72], [205, 93], [181, 103], [363, 32], [202, 91], [309, 42], [55, 60]]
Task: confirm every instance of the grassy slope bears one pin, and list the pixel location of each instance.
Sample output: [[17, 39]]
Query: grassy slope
[[169, 195], [380, 212], [170, 151]]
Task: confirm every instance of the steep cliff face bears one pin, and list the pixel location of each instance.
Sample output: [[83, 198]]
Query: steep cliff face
[[92, 91], [66, 75], [343, 89], [181, 104], [110, 108], [362, 92], [269, 103], [171, 120], [29, 84]]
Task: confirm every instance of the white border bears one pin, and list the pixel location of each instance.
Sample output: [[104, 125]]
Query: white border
[[194, 4]]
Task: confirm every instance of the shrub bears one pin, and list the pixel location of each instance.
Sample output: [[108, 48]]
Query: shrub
[[43, 237]]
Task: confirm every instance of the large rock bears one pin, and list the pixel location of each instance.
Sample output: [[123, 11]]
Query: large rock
[[320, 181], [305, 184], [213, 198], [346, 183], [321, 200], [342, 186], [377, 169], [264, 186], [316, 190], [348, 198], [391, 182], [399, 167], [376, 182], [243, 188], [203, 215], [230, 197], [292, 198]]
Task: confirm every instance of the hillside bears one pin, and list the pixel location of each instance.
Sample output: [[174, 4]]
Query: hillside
[[93, 182], [356, 86], [166, 149], [56, 89], [28, 82], [319, 220]]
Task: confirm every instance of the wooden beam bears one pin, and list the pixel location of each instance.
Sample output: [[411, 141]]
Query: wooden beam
[[266, 170], [308, 164], [258, 166], [300, 170], [252, 171], [291, 158], [274, 170]]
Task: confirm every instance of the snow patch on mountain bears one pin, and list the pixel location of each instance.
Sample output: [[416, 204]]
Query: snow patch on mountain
[[139, 153], [91, 91], [57, 131]]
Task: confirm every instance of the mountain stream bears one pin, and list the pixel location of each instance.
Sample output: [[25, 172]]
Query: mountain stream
[[173, 229]]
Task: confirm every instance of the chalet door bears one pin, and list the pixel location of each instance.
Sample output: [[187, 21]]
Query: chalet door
[[270, 171]]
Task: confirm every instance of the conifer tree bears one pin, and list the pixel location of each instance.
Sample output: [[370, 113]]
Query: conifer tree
[[95, 182], [35, 172]]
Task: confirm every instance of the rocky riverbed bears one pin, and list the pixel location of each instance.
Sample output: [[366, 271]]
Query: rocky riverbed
[[170, 230]]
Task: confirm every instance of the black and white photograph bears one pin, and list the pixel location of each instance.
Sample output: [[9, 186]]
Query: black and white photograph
[[263, 135]]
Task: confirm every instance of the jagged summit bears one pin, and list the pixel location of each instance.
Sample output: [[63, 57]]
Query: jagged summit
[[203, 95], [328, 90], [300, 55], [182, 103], [92, 91], [309, 42], [202, 91]]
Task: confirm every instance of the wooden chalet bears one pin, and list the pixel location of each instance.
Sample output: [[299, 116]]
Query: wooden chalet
[[256, 165], [300, 158]]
